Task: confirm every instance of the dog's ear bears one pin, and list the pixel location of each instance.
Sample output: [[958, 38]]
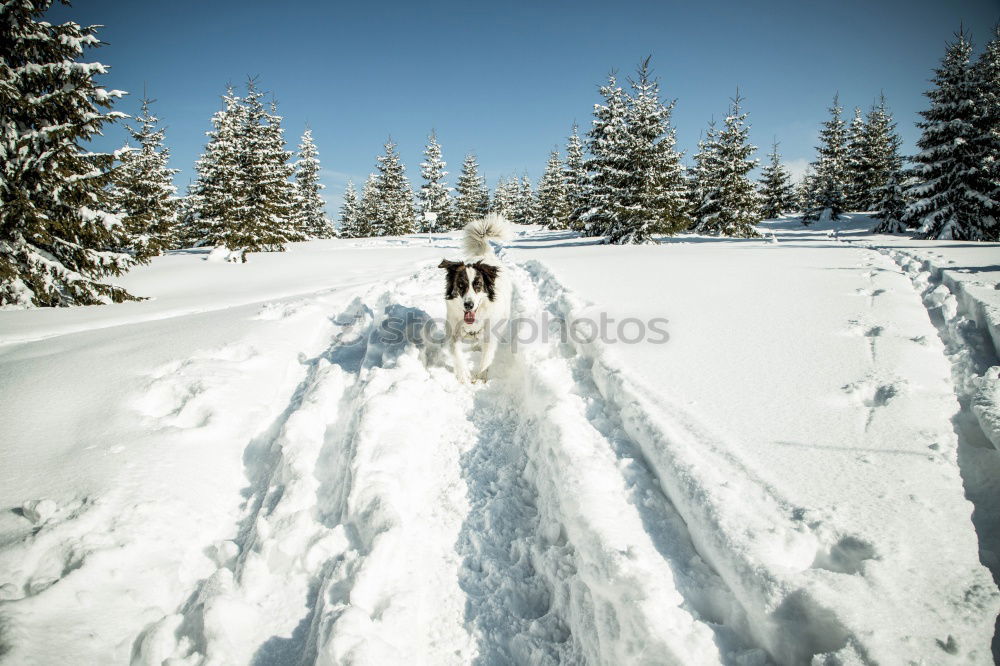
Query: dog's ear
[[450, 265], [489, 274]]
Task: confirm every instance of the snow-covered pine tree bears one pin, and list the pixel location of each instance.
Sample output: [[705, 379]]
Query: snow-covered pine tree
[[890, 207], [368, 221], [855, 163], [263, 215], [776, 189], [880, 155], [987, 76], [826, 194], [310, 209], [349, 210], [395, 198], [505, 195], [732, 194], [700, 183], [213, 197], [524, 203], [609, 162], [469, 202], [56, 239], [434, 196], [657, 176], [552, 208], [142, 191], [954, 195], [575, 179]]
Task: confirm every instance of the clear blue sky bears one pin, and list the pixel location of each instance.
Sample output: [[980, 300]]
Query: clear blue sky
[[507, 80]]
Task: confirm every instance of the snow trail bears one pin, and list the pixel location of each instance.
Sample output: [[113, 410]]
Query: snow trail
[[396, 515], [970, 348]]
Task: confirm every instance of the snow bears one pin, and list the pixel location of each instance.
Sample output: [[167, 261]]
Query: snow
[[249, 467]]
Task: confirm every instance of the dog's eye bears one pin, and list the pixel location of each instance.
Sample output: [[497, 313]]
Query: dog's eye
[[477, 284]]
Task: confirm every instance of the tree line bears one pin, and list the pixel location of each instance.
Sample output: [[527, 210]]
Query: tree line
[[71, 217]]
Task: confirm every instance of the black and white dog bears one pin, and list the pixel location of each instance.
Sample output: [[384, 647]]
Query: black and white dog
[[477, 293]]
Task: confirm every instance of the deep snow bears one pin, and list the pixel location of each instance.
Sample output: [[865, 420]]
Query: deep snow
[[249, 469]]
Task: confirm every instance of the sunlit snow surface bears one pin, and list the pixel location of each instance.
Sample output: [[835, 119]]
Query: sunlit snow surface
[[247, 468]]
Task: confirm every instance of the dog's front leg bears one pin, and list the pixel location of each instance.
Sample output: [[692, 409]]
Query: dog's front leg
[[461, 371], [489, 351]]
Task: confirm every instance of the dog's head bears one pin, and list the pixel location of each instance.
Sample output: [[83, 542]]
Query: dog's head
[[472, 283]]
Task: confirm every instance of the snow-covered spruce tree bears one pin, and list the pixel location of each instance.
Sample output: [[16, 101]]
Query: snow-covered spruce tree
[[505, 196], [700, 183], [776, 190], [310, 209], [651, 196], [142, 191], [524, 204], [552, 208], [263, 217], [826, 194], [56, 239], [213, 196], [880, 155], [368, 221], [987, 76], [349, 210], [434, 205], [575, 179], [395, 198], [469, 202], [855, 159], [890, 207], [736, 205], [953, 197], [805, 191], [608, 164]]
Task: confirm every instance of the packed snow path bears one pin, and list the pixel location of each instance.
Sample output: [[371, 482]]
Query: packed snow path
[[563, 512]]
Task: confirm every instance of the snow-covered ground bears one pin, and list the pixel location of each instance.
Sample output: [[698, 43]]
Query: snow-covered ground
[[252, 467]]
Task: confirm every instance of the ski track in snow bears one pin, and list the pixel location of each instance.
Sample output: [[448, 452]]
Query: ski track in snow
[[396, 516], [976, 378]]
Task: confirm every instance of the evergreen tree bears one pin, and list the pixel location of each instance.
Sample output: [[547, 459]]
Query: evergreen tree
[[143, 194], [987, 81], [310, 207], [953, 198], [658, 201], [349, 213], [505, 197], [368, 222], [890, 208], [608, 163], [395, 198], [552, 209], [855, 163], [805, 190], [263, 215], [777, 192], [214, 195], [434, 199], [880, 155], [56, 240], [735, 204], [575, 180], [826, 195], [700, 180], [469, 205], [524, 204]]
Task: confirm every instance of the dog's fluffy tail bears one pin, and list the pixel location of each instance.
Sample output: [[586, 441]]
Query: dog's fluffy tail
[[477, 234]]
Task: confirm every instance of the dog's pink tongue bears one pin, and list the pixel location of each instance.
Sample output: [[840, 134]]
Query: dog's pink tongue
[[470, 317]]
